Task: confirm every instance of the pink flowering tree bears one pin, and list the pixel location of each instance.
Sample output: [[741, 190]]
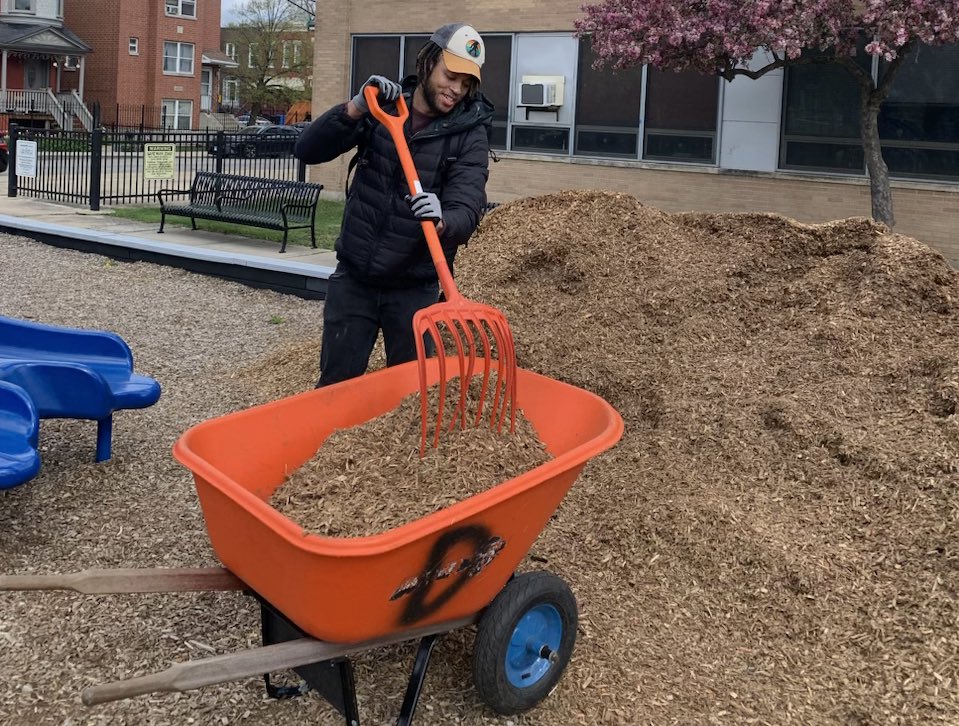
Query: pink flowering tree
[[721, 36]]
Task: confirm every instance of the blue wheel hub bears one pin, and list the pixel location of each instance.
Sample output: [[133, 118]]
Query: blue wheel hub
[[534, 646]]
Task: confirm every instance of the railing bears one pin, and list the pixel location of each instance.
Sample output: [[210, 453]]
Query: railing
[[64, 121], [108, 167], [64, 107]]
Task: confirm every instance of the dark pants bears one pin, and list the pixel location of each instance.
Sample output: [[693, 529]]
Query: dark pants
[[353, 315]]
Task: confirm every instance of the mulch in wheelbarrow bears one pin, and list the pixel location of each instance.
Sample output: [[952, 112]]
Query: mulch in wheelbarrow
[[774, 539]]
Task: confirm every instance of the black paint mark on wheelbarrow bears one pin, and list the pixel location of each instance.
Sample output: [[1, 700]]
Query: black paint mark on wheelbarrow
[[438, 567]]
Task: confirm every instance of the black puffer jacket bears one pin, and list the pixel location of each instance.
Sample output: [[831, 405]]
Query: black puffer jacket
[[380, 241]]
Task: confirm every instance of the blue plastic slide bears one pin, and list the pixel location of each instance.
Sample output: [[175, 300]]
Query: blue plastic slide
[[73, 373], [19, 428]]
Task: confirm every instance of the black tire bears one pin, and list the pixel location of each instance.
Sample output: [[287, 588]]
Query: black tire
[[498, 668], [3, 161], [249, 151]]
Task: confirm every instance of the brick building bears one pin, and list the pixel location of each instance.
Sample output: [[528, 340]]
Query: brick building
[[786, 143], [158, 58]]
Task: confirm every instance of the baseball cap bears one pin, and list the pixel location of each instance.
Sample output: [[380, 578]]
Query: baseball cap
[[463, 48]]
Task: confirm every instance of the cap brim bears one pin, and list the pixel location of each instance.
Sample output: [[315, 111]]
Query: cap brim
[[461, 65]]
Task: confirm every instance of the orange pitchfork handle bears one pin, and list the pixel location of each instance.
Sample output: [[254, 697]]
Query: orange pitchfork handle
[[456, 313], [394, 124]]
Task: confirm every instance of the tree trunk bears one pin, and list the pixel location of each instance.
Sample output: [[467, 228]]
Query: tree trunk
[[879, 189]]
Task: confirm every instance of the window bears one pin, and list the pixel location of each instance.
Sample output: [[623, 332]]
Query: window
[[178, 58], [23, 6], [297, 52], [71, 62], [231, 91], [59, 8], [185, 8], [177, 114], [682, 112], [374, 56], [134, 46], [604, 127], [287, 53], [496, 75], [251, 56], [230, 50], [919, 120]]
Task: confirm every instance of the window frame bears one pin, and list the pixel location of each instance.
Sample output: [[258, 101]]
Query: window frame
[[177, 114], [179, 11], [31, 8], [179, 58], [133, 45]]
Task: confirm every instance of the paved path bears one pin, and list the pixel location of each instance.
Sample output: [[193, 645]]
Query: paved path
[[300, 270]]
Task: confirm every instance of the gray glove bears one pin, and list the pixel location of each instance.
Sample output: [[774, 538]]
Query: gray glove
[[389, 91], [425, 206]]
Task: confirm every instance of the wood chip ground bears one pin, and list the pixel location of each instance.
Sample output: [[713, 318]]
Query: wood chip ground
[[774, 540]]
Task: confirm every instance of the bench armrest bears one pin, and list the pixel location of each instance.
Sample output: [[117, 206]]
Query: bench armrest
[[170, 192]]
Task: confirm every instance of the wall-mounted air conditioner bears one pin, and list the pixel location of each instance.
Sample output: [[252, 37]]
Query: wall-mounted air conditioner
[[542, 91]]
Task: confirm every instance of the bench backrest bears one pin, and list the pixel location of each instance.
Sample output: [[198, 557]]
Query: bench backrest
[[249, 195]]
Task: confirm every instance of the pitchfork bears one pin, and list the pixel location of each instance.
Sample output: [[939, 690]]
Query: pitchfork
[[471, 325]]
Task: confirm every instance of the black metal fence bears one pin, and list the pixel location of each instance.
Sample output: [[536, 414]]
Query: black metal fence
[[107, 167]]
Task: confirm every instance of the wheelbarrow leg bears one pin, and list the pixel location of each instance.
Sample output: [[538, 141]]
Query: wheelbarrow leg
[[417, 677]]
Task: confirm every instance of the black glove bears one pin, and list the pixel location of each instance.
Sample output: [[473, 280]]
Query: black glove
[[389, 91], [425, 206]]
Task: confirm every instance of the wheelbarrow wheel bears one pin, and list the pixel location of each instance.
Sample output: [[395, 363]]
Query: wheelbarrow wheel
[[524, 641]]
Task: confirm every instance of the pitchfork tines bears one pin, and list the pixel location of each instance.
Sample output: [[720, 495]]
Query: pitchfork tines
[[469, 335]]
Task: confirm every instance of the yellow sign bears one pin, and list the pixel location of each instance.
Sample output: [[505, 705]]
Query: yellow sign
[[159, 161]]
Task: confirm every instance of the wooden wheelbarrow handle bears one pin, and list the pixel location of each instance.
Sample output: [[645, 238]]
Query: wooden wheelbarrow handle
[[102, 582], [250, 663]]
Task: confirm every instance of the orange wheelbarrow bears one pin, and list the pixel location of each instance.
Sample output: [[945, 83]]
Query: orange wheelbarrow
[[323, 599]]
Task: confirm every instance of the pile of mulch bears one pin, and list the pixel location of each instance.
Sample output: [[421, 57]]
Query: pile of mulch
[[773, 541]]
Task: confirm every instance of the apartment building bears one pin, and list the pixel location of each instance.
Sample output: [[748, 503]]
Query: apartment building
[[42, 66], [161, 57], [283, 60], [785, 143]]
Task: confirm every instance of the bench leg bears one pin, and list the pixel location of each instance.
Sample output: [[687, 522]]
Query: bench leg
[[193, 222], [104, 435], [283, 246], [162, 222], [313, 236]]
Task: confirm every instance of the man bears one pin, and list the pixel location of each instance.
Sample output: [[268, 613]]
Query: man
[[384, 273]]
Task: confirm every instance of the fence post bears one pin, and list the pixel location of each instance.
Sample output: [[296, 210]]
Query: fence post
[[96, 167], [220, 140], [12, 162]]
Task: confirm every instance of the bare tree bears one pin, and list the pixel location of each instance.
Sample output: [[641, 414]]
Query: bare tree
[[277, 56], [307, 6]]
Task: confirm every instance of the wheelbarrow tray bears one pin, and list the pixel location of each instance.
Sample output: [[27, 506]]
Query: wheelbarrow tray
[[441, 567]]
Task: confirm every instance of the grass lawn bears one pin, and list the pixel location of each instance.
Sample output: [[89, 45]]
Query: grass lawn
[[328, 216]]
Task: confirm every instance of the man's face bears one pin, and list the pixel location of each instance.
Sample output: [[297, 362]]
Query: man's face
[[444, 89]]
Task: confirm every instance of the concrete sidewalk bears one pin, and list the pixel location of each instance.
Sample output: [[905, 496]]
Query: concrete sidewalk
[[300, 270]]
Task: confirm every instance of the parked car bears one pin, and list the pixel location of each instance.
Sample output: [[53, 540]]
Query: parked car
[[244, 119], [254, 141]]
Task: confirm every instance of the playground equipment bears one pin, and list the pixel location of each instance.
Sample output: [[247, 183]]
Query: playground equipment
[[19, 428], [74, 373]]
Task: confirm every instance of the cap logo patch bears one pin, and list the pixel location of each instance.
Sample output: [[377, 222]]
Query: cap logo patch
[[474, 48]]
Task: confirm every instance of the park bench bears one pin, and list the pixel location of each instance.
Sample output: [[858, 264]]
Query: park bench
[[268, 203]]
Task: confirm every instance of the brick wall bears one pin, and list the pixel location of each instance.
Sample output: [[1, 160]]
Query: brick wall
[[924, 211]]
